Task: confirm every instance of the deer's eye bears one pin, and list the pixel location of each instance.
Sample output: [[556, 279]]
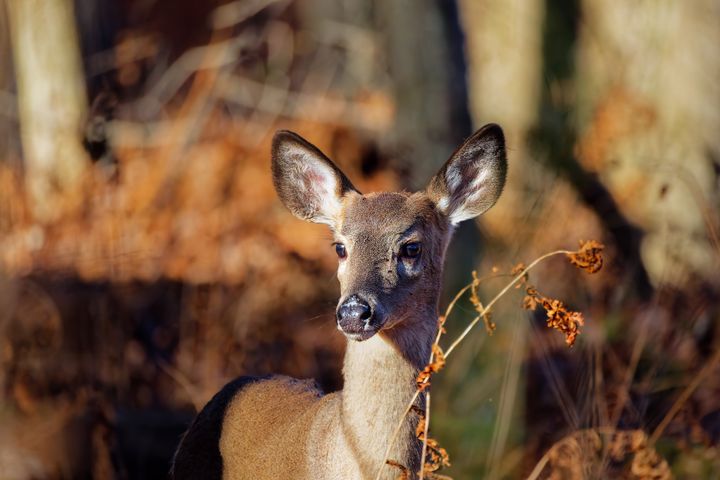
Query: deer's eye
[[340, 250], [411, 250]]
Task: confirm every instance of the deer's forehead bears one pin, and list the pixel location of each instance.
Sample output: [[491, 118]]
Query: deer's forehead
[[386, 213]]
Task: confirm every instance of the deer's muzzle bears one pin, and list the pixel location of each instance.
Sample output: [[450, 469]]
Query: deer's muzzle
[[357, 319]]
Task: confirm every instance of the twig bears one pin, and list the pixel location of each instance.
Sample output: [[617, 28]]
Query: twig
[[218, 54], [417, 392], [395, 433], [630, 372], [540, 466], [457, 297], [234, 13], [706, 370], [316, 107], [458, 340], [184, 383], [425, 434], [497, 297]]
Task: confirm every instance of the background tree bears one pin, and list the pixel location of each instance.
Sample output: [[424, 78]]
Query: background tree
[[51, 101]]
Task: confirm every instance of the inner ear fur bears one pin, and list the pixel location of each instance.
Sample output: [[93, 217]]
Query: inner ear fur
[[472, 179], [308, 183]]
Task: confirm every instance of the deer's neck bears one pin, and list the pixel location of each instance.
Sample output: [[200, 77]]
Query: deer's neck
[[380, 378]]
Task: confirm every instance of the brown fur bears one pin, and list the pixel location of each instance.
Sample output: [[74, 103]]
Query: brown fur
[[286, 428]]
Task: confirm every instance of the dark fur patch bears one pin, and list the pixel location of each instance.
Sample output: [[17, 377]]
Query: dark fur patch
[[198, 455]]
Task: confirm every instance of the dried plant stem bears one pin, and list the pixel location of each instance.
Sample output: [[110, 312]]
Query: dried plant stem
[[417, 392], [425, 435], [184, 383], [457, 297], [451, 305], [497, 297], [395, 433], [706, 370], [462, 291], [630, 373], [540, 466]]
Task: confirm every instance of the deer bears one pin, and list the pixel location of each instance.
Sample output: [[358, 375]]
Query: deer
[[391, 248]]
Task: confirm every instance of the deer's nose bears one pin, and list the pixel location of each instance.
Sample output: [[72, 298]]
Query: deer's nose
[[354, 317], [354, 309]]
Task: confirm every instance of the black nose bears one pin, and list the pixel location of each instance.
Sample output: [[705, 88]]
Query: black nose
[[354, 312]]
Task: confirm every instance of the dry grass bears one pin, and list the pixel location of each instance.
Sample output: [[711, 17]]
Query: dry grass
[[588, 257]]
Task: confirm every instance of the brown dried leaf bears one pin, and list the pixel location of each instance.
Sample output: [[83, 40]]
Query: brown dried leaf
[[404, 471], [420, 429], [437, 457], [438, 362]]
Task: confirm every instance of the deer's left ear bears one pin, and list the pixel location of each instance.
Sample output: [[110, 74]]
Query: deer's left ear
[[472, 179]]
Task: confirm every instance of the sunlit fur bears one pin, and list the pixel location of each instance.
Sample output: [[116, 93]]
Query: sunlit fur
[[286, 428], [345, 434]]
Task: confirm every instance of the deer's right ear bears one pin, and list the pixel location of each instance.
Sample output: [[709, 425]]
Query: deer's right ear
[[309, 184]]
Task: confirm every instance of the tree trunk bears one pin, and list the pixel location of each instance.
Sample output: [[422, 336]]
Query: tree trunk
[[423, 42], [650, 122], [51, 102], [504, 51]]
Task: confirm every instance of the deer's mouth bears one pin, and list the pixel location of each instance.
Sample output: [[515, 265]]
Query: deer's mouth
[[358, 337], [358, 330]]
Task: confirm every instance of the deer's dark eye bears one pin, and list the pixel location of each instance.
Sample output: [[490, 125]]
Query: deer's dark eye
[[340, 250], [411, 250]]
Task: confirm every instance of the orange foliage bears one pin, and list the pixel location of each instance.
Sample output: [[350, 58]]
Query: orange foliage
[[207, 213], [619, 115]]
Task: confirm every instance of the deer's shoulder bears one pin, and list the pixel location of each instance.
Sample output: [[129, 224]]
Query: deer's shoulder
[[271, 396], [198, 455]]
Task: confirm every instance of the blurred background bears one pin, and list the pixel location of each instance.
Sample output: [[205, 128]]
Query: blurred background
[[145, 259]]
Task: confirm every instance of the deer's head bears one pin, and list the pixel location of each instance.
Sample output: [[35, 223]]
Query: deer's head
[[390, 245]]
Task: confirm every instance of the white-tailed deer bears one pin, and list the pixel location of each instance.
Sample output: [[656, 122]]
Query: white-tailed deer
[[391, 249]]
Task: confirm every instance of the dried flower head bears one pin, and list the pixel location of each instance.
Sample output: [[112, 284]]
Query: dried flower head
[[584, 453], [441, 324], [438, 362], [489, 324], [589, 256], [530, 301], [648, 464], [477, 304], [516, 270], [558, 316]]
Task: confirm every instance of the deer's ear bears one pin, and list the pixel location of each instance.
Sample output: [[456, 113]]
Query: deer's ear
[[472, 179], [308, 183]]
